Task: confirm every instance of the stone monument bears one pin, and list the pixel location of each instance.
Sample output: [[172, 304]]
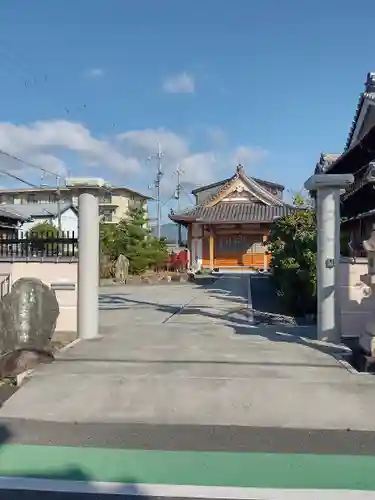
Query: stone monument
[[28, 316], [122, 268]]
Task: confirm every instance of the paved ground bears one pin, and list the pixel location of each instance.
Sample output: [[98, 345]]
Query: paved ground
[[190, 387], [204, 364]]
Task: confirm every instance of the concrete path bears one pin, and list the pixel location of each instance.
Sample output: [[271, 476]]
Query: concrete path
[[187, 354]]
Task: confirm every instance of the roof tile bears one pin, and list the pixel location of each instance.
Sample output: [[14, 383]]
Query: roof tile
[[234, 212]]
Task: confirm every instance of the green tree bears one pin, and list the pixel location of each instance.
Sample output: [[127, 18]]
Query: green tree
[[44, 229], [132, 238], [39, 238], [292, 244]]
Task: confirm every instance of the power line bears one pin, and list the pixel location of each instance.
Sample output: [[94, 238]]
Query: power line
[[29, 164], [42, 169], [188, 195], [18, 178]]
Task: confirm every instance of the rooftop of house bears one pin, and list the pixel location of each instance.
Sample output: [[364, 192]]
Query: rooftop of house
[[325, 162], [234, 212], [51, 189], [213, 210], [31, 210], [368, 93], [11, 215], [220, 183]]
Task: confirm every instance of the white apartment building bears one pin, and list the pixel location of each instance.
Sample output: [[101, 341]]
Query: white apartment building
[[113, 205]]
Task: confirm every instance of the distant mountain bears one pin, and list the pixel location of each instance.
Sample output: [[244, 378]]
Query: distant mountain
[[169, 231]]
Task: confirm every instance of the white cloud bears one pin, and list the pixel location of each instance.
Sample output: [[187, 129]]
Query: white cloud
[[46, 143], [95, 72], [197, 167], [246, 155], [217, 136], [41, 142], [183, 83]]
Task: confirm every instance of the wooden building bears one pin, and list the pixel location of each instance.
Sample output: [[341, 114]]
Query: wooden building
[[230, 222], [10, 222], [358, 158]]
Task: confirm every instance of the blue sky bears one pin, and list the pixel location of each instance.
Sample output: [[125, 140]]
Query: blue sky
[[90, 86]]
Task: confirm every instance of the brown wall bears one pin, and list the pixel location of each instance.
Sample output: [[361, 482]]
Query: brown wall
[[236, 247]]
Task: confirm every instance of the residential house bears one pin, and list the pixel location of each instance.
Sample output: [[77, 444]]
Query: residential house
[[10, 223], [230, 222], [113, 204], [64, 214]]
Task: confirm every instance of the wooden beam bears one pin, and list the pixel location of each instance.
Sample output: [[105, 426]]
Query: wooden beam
[[211, 249], [265, 256]]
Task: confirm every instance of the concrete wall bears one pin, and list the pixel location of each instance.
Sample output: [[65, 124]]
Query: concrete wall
[[355, 301], [50, 272]]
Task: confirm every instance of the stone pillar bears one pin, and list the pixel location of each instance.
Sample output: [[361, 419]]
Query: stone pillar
[[88, 191], [88, 265], [328, 187]]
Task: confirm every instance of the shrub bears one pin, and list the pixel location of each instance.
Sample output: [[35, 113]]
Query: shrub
[[292, 243]]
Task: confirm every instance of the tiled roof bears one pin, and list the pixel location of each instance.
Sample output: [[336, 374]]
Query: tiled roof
[[263, 193], [7, 214], [234, 212], [31, 210], [225, 181], [369, 93], [325, 162]]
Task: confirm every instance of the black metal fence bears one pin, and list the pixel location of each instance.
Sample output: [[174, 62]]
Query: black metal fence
[[28, 245]]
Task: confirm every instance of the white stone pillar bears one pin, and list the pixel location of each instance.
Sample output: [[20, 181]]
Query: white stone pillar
[[328, 187], [88, 264]]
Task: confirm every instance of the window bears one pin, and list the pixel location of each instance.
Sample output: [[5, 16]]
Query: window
[[105, 198], [31, 198], [106, 215]]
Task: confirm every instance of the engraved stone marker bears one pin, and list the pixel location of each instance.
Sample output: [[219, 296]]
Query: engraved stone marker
[[28, 316]]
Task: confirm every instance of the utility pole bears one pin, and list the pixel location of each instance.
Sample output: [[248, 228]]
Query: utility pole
[[156, 185], [58, 201], [58, 195], [177, 196]]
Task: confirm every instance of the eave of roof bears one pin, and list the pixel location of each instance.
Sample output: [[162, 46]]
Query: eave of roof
[[367, 94], [325, 162], [361, 154], [124, 188], [11, 215], [229, 213], [49, 189]]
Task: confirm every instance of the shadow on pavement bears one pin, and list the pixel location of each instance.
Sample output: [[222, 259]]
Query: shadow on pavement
[[264, 318]]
